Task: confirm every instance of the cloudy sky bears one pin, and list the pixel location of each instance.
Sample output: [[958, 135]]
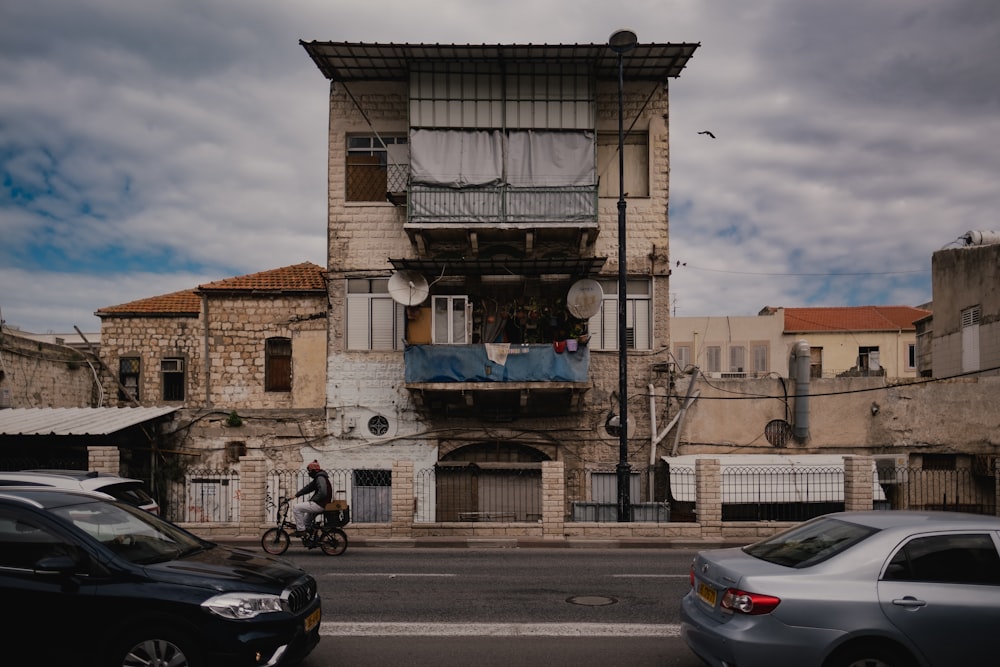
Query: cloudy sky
[[149, 146]]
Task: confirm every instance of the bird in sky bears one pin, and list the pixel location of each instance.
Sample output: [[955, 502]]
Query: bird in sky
[[708, 133]]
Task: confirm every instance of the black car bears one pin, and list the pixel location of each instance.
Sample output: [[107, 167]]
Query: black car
[[88, 580]]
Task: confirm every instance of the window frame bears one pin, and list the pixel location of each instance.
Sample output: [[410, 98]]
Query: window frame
[[371, 307], [175, 379], [366, 162], [603, 327], [457, 331], [124, 376], [760, 358], [278, 367]]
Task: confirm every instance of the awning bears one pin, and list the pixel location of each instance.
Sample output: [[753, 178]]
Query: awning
[[75, 421], [573, 266], [347, 61]]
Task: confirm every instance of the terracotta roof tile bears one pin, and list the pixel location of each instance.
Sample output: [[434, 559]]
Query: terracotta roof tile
[[186, 302], [853, 318], [298, 277], [305, 277]]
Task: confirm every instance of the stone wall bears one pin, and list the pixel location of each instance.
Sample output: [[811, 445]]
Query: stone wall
[[234, 339], [36, 374]]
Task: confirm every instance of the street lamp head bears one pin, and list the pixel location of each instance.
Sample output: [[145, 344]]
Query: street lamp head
[[622, 40]]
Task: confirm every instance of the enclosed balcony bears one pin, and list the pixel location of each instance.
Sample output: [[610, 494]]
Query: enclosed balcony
[[502, 335], [522, 186], [501, 381]]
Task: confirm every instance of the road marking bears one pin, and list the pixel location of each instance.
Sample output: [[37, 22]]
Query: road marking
[[340, 629], [387, 575]]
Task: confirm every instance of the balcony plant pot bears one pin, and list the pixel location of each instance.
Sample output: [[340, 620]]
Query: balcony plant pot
[[571, 344]]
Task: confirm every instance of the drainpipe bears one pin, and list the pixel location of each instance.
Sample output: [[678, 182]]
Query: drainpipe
[[800, 371], [657, 438], [206, 362]]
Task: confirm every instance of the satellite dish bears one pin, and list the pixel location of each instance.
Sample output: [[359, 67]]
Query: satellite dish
[[584, 299], [408, 288]]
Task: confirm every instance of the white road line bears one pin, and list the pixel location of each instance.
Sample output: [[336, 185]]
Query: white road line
[[498, 630], [386, 575]]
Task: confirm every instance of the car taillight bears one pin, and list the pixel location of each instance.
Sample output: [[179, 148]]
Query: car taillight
[[751, 604]]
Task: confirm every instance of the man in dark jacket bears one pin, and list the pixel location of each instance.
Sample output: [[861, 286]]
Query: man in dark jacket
[[322, 493]]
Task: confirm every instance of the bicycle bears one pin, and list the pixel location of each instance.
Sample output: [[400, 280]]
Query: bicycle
[[324, 531]]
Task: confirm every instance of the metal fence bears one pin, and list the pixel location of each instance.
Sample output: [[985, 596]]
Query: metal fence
[[479, 492], [368, 492], [471, 492], [959, 490], [781, 494], [203, 496], [592, 494]]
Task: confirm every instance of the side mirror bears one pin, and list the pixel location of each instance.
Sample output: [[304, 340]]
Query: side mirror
[[56, 565]]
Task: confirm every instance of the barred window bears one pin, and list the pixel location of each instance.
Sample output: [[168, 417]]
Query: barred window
[[372, 167], [172, 372], [128, 378]]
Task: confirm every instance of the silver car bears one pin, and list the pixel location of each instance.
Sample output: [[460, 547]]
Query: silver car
[[852, 589]]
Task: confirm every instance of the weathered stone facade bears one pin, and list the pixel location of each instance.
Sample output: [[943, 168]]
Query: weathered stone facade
[[35, 374], [366, 384]]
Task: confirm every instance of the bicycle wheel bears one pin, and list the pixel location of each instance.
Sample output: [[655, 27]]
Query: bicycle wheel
[[333, 542], [275, 541]]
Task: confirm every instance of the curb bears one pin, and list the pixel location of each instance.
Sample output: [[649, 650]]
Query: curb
[[509, 543]]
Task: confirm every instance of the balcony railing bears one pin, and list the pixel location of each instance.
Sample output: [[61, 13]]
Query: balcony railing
[[495, 363], [501, 204]]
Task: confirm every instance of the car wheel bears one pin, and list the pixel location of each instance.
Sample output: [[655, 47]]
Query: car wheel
[[333, 542], [869, 654], [275, 541], [158, 647]]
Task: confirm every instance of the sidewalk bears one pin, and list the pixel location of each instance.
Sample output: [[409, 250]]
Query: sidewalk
[[511, 543]]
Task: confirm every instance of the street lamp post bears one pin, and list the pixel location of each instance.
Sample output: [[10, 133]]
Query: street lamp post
[[620, 42]]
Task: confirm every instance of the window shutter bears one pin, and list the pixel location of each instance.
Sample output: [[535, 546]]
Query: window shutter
[[382, 329], [357, 323]]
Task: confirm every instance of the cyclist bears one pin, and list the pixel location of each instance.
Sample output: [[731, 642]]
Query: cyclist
[[322, 493]]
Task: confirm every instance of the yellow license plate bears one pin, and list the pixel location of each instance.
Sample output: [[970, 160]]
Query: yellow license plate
[[707, 593], [313, 619]]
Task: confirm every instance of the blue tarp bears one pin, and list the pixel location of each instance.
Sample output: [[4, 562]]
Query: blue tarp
[[472, 363]]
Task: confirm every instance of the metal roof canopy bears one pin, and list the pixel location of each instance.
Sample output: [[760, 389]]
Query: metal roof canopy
[[574, 266], [75, 421], [357, 61]]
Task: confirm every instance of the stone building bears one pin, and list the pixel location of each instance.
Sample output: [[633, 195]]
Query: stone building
[[473, 270], [844, 341], [46, 372], [243, 359], [963, 335]]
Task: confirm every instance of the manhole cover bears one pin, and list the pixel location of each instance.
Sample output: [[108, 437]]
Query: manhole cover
[[591, 600]]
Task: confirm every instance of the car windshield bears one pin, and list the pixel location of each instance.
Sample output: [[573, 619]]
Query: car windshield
[[809, 543], [133, 534]]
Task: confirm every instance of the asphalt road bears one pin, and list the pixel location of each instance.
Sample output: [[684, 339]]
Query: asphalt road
[[493, 606]]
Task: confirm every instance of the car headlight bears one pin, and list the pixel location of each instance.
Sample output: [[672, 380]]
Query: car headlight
[[242, 605]]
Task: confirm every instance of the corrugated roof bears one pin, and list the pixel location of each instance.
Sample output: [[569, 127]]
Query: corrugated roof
[[349, 61], [304, 277], [75, 421], [853, 318]]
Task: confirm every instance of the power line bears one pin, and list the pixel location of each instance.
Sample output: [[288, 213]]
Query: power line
[[821, 275]]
